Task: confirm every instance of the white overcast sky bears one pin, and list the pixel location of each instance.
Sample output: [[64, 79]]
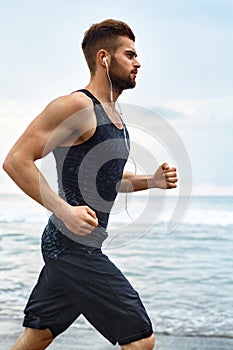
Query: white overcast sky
[[184, 46]]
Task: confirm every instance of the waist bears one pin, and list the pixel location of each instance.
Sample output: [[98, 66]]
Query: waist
[[94, 239]]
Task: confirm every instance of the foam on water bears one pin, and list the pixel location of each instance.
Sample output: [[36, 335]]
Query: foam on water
[[18, 209], [185, 278]]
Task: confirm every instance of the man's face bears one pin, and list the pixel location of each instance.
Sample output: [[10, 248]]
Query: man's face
[[124, 65]]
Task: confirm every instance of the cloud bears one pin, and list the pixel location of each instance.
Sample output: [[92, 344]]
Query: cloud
[[210, 189], [220, 107], [167, 113], [205, 127], [14, 117]]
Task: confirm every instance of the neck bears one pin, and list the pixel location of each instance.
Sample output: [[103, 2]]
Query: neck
[[101, 89]]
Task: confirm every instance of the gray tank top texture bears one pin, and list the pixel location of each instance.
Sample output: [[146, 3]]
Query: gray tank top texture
[[89, 174]]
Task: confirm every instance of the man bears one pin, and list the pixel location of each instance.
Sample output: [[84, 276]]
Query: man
[[87, 136]]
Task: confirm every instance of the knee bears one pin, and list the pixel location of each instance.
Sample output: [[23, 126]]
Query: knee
[[149, 342], [143, 344]]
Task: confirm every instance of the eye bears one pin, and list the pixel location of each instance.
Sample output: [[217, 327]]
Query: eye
[[130, 54]]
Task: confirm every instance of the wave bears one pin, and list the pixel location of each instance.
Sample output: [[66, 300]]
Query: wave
[[203, 211], [222, 218], [193, 217], [22, 216]]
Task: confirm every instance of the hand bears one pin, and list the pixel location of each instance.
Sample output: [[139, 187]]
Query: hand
[[80, 220], [165, 177]]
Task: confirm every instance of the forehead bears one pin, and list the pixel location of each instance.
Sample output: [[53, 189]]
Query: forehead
[[125, 43]]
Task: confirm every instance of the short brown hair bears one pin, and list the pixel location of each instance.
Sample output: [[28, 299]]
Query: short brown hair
[[103, 35]]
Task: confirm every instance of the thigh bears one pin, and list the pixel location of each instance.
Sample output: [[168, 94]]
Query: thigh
[[48, 306], [108, 301]]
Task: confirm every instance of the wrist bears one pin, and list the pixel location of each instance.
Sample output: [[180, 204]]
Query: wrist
[[61, 209], [151, 181]]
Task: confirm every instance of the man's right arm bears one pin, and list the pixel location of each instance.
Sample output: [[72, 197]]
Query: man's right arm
[[50, 129]]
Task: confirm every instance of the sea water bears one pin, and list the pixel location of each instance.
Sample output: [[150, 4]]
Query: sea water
[[184, 277]]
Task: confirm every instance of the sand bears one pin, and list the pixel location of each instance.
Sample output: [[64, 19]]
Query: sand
[[80, 339]]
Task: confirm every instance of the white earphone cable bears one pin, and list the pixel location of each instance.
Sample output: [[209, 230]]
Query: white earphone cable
[[120, 111], [125, 138], [109, 79]]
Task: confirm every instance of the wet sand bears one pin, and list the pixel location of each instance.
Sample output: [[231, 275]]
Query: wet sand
[[84, 339]]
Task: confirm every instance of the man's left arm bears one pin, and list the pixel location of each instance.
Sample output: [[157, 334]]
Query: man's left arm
[[165, 177]]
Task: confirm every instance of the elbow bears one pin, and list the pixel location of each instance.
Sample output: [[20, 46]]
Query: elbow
[[126, 186], [12, 163], [6, 165]]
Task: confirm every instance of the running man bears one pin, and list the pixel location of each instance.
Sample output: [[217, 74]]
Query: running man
[[87, 136]]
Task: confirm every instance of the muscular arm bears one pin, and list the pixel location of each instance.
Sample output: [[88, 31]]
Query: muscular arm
[[164, 178], [51, 128]]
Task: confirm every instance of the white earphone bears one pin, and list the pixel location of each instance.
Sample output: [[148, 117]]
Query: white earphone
[[109, 79], [105, 61], [125, 137]]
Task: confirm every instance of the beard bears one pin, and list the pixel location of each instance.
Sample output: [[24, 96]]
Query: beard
[[120, 82]]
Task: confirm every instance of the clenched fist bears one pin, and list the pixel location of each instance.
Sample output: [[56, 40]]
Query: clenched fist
[[165, 177]]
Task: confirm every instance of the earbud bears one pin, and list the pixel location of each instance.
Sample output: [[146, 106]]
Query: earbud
[[109, 79], [105, 61]]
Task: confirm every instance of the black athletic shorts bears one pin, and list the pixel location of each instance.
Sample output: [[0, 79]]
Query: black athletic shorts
[[84, 281]]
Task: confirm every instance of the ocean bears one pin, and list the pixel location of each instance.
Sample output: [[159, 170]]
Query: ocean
[[184, 276]]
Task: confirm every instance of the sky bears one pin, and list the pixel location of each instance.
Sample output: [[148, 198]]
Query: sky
[[184, 46]]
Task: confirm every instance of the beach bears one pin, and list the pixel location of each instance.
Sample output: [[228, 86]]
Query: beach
[[184, 277], [74, 339]]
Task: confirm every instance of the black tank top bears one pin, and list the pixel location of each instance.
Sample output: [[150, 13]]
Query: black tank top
[[89, 174]]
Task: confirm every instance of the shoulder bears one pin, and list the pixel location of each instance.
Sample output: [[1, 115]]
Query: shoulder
[[68, 108], [70, 104]]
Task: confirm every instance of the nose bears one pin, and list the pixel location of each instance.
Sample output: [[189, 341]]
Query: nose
[[137, 64]]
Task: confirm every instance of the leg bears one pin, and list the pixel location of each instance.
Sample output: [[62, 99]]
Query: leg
[[33, 339], [143, 344], [108, 300], [48, 313]]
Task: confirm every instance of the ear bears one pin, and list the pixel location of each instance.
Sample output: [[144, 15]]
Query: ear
[[102, 57]]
